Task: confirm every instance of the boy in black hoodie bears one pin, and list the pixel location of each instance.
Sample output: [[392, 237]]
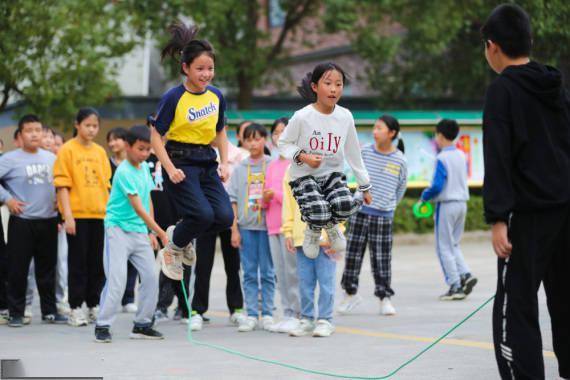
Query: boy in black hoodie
[[526, 141]]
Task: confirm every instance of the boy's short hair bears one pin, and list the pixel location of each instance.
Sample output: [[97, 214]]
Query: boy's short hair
[[448, 128], [117, 133], [253, 129], [137, 133], [29, 118], [508, 26]]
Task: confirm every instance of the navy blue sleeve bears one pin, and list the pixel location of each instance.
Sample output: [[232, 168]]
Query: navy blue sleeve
[[222, 111], [167, 109], [439, 178]]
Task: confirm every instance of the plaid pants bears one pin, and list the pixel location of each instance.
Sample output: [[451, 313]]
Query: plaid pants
[[324, 201], [377, 231]]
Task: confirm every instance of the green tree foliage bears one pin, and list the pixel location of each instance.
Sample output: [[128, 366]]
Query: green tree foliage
[[57, 55], [417, 50]]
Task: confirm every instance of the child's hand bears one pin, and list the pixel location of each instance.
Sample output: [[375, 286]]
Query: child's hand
[[153, 242], [176, 176], [224, 172], [70, 225], [236, 238], [313, 160], [290, 245], [163, 238], [15, 206], [268, 195], [367, 197], [500, 239]]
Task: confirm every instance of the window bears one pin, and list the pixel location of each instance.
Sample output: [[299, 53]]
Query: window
[[276, 16]]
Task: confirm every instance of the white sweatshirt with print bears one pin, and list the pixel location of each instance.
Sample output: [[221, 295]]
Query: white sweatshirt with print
[[333, 136]]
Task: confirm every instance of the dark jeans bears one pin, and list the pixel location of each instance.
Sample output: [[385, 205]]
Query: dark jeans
[[29, 239], [200, 199], [205, 252], [169, 288], [86, 276]]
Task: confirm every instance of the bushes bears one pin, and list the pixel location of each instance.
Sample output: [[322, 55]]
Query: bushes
[[404, 220]]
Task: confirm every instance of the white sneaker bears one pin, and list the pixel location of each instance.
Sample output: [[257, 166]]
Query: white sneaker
[[63, 308], [324, 328], [305, 327], [277, 326], [287, 325], [92, 314], [248, 324], [188, 253], [348, 303], [311, 243], [4, 316], [171, 262], [28, 315], [267, 322], [386, 307], [336, 239], [237, 318], [77, 318], [196, 322], [130, 308]]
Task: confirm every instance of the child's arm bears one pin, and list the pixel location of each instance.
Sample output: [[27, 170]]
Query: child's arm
[[15, 206], [137, 205], [403, 182], [69, 220], [236, 237], [63, 181], [176, 175], [288, 214], [439, 178], [222, 144]]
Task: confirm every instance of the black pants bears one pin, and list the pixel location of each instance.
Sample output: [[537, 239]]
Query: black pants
[[86, 277], [541, 254], [29, 239], [205, 252], [169, 288], [3, 270]]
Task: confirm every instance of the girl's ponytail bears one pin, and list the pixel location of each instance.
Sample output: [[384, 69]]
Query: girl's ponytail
[[305, 89], [400, 145], [183, 47]]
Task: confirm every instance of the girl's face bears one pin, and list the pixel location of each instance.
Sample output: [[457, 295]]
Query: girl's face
[[88, 128], [382, 134], [116, 145], [199, 73], [57, 144], [277, 133], [255, 144], [47, 140], [329, 88]]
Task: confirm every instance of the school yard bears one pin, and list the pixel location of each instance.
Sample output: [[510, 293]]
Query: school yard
[[365, 344]]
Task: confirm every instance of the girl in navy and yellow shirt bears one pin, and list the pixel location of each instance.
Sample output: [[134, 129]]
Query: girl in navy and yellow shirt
[[191, 117]]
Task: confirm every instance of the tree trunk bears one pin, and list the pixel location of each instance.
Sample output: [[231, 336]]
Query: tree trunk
[[245, 91]]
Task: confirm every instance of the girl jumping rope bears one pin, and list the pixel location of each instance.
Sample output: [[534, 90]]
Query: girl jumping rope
[[318, 139], [191, 116]]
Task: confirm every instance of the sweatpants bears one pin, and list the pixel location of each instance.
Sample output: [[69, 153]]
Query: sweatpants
[[129, 295], [324, 201], [122, 247], [540, 254], [205, 252], [61, 273], [376, 231], [85, 277], [285, 264], [449, 226], [29, 239]]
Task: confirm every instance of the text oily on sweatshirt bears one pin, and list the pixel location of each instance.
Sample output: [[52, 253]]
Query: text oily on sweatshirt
[[526, 142], [333, 136]]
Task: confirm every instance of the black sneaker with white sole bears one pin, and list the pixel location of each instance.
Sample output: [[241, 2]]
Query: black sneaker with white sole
[[453, 294], [102, 335], [468, 282], [57, 319], [16, 322], [145, 333]]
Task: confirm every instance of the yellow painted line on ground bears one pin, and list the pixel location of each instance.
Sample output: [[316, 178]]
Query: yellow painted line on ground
[[412, 338]]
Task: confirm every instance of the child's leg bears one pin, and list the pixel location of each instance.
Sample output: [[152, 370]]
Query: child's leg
[[356, 237], [325, 268], [445, 216], [315, 210], [218, 197], [234, 295], [96, 275], [115, 263], [338, 195], [180, 294], [307, 283], [205, 251], [279, 267], [381, 255], [165, 292], [266, 272], [142, 259], [462, 267], [45, 257], [250, 265], [78, 248], [61, 272], [20, 250], [129, 296], [285, 265]]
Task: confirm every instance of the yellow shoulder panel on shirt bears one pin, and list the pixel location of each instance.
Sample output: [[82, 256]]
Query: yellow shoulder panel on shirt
[[195, 118]]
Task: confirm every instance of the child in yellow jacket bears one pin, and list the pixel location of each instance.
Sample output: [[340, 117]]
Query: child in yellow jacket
[[321, 269]]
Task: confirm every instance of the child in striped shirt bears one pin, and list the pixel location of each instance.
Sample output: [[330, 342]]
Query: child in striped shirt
[[387, 167]]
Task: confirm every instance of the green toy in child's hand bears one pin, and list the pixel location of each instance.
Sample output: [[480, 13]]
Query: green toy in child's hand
[[422, 210]]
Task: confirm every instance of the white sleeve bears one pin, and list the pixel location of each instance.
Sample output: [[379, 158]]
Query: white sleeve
[[354, 157], [289, 139]]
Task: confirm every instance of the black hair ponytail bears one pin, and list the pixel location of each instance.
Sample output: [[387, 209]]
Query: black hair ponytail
[[400, 145], [393, 125], [183, 47], [305, 89]]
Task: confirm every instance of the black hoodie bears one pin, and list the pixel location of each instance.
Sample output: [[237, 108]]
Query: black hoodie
[[526, 142]]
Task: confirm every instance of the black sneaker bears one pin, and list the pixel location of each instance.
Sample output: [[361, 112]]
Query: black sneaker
[[57, 319], [16, 322], [145, 333], [205, 319], [453, 294], [468, 282], [102, 335], [177, 314]]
